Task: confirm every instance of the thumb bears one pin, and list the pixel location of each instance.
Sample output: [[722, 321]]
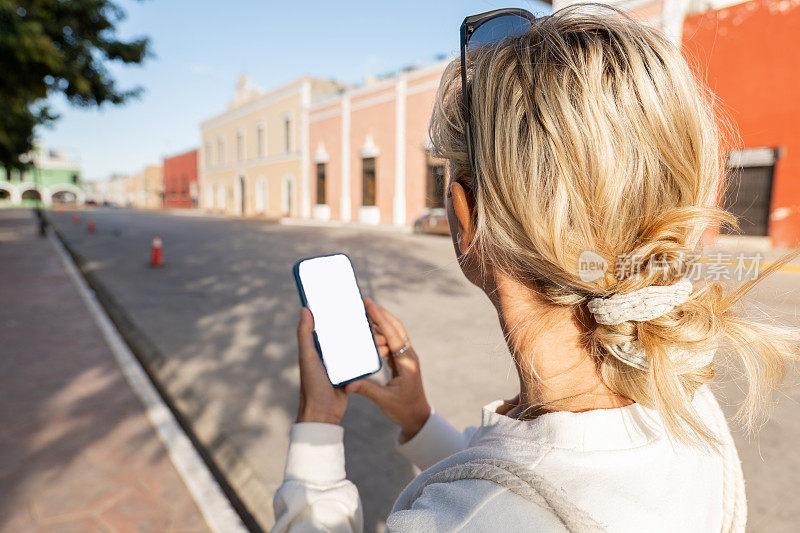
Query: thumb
[[366, 387]]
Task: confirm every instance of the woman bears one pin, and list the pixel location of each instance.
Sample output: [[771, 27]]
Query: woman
[[591, 136]]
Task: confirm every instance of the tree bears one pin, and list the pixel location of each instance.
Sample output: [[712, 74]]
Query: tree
[[56, 46]]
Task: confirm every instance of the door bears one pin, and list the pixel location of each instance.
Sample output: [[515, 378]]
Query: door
[[242, 196], [748, 194], [287, 195]]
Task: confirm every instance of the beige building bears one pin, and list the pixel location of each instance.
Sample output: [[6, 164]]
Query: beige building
[[143, 190], [253, 157]]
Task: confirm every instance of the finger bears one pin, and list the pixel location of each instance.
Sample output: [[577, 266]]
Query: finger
[[366, 387], [311, 368], [386, 354], [393, 339], [380, 340], [398, 326], [406, 362], [305, 334]]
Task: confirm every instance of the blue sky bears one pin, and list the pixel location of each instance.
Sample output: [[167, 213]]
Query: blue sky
[[200, 47]]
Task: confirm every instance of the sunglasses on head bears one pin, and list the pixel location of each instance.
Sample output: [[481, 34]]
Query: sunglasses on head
[[478, 31]]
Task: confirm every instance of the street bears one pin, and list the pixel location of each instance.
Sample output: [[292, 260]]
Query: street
[[220, 320]]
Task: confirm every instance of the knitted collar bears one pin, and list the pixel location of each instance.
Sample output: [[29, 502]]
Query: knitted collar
[[596, 430]]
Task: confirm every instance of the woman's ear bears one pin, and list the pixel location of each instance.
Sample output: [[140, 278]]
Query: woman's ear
[[462, 208]]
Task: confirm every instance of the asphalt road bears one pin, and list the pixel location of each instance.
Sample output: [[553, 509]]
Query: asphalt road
[[223, 312]]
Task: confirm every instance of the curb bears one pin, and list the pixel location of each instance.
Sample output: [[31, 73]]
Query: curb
[[222, 459]]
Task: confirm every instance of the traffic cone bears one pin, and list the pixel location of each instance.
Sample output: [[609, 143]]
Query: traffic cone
[[156, 259], [91, 227], [76, 218]]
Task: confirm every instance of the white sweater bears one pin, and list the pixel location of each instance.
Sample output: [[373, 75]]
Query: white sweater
[[616, 465]]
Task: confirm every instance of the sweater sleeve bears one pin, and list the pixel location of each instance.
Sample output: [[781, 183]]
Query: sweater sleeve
[[437, 440], [314, 495]]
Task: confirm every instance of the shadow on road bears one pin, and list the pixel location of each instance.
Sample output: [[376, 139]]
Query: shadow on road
[[223, 313]]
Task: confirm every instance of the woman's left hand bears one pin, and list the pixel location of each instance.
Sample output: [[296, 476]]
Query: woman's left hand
[[319, 400]]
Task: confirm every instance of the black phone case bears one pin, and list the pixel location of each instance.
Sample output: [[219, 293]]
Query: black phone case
[[304, 302]]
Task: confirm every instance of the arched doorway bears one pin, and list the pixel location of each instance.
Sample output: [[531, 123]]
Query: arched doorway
[[31, 194], [64, 193], [261, 196], [65, 198], [221, 197], [5, 195]]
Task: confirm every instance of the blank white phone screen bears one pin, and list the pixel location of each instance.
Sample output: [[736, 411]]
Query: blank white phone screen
[[340, 321]]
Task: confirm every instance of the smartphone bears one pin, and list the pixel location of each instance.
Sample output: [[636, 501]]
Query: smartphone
[[328, 287]]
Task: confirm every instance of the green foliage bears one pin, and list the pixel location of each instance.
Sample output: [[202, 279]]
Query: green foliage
[[56, 46]]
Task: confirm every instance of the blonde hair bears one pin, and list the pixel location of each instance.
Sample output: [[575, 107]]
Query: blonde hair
[[591, 133]]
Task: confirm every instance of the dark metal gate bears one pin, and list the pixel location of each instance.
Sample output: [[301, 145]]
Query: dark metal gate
[[747, 195]]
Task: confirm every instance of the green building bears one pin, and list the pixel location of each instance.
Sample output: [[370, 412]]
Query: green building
[[53, 178]]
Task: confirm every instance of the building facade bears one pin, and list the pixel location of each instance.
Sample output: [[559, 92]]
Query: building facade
[[370, 151], [253, 157], [180, 180], [110, 191], [53, 178], [748, 55], [666, 15], [143, 190]]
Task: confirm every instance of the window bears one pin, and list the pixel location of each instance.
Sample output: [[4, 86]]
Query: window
[[239, 146], [220, 151], [434, 184], [208, 154], [260, 140], [287, 134], [321, 183], [368, 181]]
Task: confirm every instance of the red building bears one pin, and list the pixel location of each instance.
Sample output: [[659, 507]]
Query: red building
[[749, 56], [180, 180]]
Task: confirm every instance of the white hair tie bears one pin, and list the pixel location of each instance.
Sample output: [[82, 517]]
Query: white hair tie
[[630, 354], [640, 305]]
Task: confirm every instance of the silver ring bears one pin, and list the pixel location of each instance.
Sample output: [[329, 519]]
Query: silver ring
[[402, 350]]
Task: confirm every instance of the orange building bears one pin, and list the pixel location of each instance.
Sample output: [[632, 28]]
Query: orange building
[[180, 180], [369, 151], [748, 55]]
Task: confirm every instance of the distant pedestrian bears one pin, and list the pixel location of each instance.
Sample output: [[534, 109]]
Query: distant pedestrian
[[591, 141]]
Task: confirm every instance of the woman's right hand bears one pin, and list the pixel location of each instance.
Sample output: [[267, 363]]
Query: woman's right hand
[[402, 399]]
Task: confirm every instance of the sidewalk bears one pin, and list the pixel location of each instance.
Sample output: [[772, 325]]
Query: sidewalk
[[77, 451]]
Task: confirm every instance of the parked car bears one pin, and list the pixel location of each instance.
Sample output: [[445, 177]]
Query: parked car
[[434, 221]]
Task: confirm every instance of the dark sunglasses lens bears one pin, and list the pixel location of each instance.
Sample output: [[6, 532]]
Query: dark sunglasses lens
[[491, 32]]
